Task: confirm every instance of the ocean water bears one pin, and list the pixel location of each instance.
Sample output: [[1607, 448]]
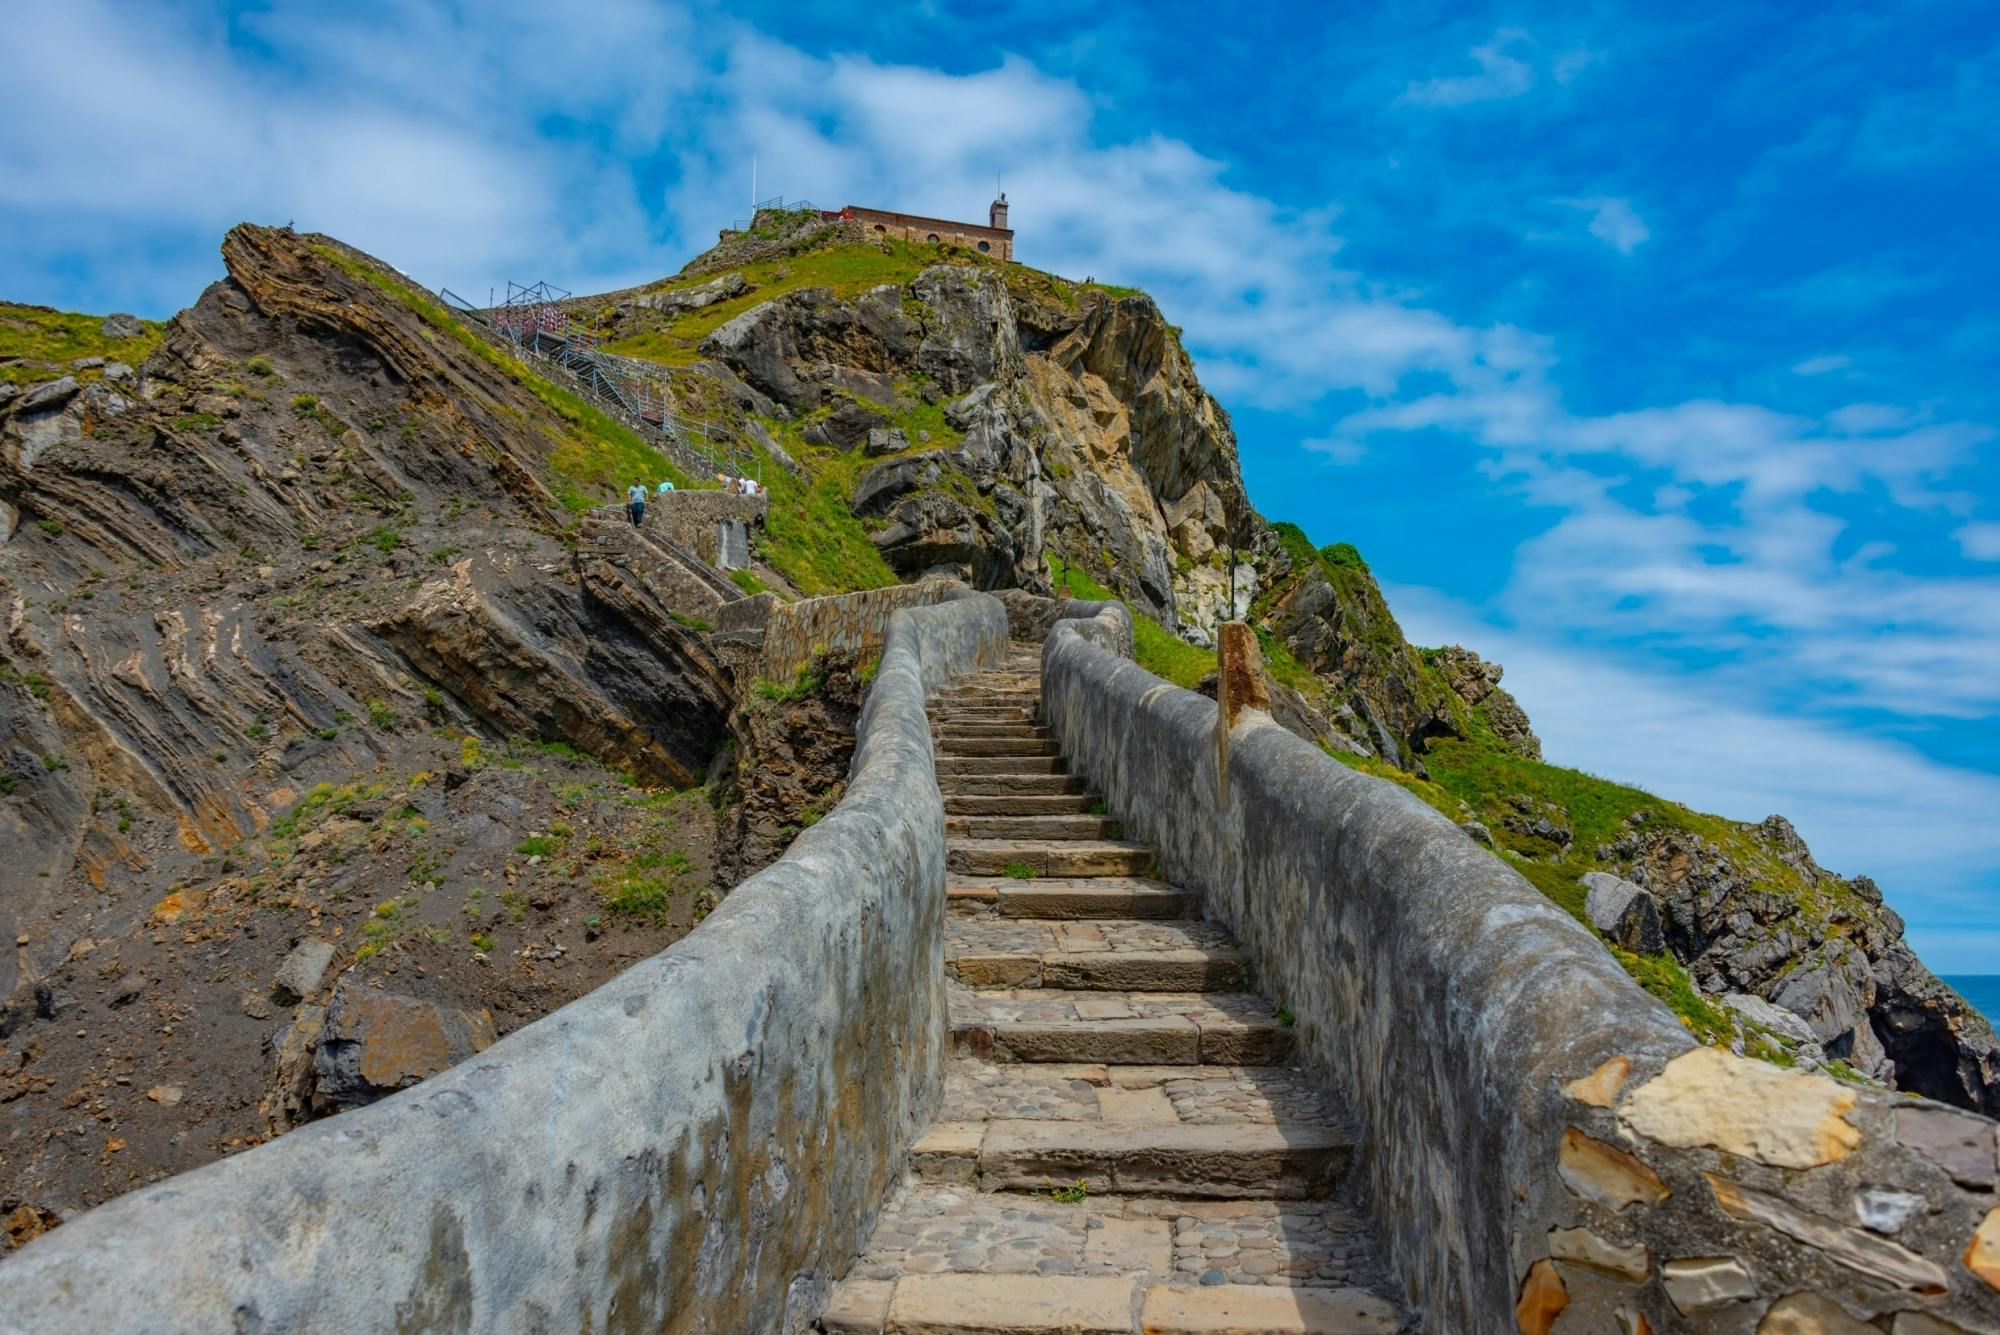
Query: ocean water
[[1983, 991]]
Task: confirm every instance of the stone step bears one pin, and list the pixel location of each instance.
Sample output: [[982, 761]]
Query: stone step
[[977, 1091], [1108, 971], [1127, 1028], [983, 784], [1070, 898], [976, 766], [1312, 1256], [1083, 857], [1021, 804], [988, 695], [1163, 1041], [954, 728], [953, 744], [1203, 1161], [953, 1303], [975, 719], [1052, 827]]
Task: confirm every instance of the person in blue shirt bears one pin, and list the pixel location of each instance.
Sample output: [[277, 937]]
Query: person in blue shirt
[[635, 502]]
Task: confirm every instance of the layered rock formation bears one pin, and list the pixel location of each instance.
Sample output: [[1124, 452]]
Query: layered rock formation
[[272, 599]]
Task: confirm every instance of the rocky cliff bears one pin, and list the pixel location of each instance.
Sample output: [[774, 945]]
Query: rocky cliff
[[298, 654], [1015, 429], [294, 654]]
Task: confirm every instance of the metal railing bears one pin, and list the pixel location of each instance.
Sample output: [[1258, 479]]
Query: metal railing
[[535, 324], [776, 204]]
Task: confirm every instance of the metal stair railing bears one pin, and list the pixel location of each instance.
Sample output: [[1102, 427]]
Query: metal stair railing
[[535, 325]]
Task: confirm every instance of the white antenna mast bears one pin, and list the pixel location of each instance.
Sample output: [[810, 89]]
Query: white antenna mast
[[753, 187]]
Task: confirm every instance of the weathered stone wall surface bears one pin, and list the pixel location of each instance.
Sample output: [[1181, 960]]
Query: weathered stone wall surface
[[699, 1145], [847, 623], [694, 518], [1544, 1147]]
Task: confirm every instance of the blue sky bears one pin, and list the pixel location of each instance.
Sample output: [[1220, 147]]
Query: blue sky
[[1649, 349]]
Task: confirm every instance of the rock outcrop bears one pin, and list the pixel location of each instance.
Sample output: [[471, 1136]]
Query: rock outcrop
[[1829, 952]]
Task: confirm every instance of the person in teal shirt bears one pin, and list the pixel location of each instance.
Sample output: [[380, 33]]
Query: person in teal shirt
[[635, 502], [666, 485]]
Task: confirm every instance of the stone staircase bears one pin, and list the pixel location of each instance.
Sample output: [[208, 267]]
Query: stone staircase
[[1122, 1146]]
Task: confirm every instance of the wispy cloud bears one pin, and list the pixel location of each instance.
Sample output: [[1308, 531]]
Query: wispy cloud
[[1507, 65], [1336, 449], [1981, 542], [1822, 365], [1501, 74], [1864, 804], [1612, 221]]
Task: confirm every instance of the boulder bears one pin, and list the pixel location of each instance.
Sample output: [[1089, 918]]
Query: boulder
[[375, 1043], [886, 440], [299, 976], [1774, 1018], [53, 394], [1627, 914], [121, 325]]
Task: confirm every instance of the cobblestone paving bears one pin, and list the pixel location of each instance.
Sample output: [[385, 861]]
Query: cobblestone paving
[[1263, 1094], [1274, 1243], [981, 1091], [1039, 1005], [1027, 936]]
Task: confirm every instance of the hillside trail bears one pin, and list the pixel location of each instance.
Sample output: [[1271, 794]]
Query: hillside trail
[[1122, 1145]]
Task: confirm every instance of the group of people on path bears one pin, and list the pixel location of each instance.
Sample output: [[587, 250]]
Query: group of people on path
[[637, 495]]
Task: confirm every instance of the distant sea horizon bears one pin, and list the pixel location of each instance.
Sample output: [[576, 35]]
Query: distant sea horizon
[[1981, 990]]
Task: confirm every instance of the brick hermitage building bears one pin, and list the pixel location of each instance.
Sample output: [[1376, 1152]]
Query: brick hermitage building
[[996, 238]]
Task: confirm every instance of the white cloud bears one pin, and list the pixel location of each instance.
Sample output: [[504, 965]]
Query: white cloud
[[1821, 365], [1502, 74], [1924, 829], [1507, 65], [1336, 450], [1612, 221], [1981, 542]]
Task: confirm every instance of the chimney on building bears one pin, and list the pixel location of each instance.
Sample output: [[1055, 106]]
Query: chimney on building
[[996, 214]]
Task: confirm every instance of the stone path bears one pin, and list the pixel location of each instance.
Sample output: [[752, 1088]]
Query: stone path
[[1122, 1146]]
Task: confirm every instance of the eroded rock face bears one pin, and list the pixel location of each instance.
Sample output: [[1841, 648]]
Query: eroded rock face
[[1836, 959], [308, 542], [1477, 682], [790, 768]]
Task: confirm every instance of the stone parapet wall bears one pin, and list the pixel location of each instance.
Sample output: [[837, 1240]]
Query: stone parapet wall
[[699, 1145], [1544, 1147], [852, 624], [694, 518]]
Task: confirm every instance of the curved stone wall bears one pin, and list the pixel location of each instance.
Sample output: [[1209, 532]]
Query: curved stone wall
[[698, 1145], [1545, 1148]]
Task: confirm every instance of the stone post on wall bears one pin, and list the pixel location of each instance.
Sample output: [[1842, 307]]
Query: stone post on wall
[[1239, 690]]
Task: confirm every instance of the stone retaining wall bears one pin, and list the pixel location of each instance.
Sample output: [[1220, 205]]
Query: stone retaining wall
[[698, 1145], [694, 518], [1545, 1148]]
